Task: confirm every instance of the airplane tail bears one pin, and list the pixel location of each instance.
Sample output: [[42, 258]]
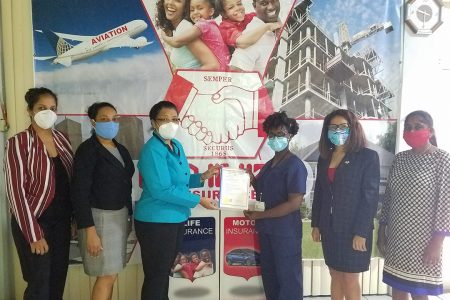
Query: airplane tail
[[58, 43]]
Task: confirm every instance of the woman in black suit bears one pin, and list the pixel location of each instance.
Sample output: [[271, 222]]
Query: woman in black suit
[[345, 201], [101, 197]]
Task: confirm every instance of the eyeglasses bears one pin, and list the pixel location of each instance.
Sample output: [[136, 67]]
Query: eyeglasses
[[336, 127], [115, 119], [174, 120]]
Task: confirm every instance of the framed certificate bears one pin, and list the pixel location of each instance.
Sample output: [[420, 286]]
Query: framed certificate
[[234, 189]]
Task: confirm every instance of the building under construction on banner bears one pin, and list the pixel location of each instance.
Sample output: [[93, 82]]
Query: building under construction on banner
[[312, 75]]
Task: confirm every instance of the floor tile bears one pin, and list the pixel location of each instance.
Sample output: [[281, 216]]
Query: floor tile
[[377, 297]]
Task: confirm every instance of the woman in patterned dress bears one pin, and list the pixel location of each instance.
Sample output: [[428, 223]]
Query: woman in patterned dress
[[416, 213]]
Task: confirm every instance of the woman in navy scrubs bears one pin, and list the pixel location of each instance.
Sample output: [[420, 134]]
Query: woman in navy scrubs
[[345, 201], [281, 184]]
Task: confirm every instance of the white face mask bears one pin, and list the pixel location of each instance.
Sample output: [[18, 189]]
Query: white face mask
[[168, 131], [45, 118]]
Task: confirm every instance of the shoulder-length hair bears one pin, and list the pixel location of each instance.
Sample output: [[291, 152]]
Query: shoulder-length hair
[[356, 141], [161, 19]]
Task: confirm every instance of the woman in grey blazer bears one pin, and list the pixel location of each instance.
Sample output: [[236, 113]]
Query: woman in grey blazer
[[345, 201]]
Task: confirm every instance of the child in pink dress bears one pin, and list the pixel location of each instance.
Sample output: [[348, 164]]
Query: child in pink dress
[[191, 266], [235, 20], [205, 28]]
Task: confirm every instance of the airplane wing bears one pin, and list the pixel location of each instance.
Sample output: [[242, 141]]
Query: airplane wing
[[72, 37], [44, 57], [126, 41]]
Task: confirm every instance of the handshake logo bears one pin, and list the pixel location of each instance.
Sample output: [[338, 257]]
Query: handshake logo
[[220, 117], [218, 108]]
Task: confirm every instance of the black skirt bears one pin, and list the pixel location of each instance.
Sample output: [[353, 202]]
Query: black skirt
[[339, 254]]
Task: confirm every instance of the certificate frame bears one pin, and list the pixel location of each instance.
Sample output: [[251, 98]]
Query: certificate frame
[[234, 189]]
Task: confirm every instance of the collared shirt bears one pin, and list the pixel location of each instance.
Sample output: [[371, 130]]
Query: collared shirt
[[30, 178], [256, 56], [166, 180]]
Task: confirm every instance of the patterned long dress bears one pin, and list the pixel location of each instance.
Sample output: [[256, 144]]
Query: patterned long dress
[[417, 206]]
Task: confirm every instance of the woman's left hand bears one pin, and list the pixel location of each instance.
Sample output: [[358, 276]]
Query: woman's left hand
[[432, 253], [214, 170], [359, 243], [253, 215]]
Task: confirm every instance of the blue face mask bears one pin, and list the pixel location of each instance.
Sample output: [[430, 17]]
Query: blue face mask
[[338, 137], [107, 130], [278, 144]]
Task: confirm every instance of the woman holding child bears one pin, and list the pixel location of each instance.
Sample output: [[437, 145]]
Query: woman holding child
[[171, 18]]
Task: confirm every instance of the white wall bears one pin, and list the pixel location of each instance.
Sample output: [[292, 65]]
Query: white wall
[[426, 78], [426, 86]]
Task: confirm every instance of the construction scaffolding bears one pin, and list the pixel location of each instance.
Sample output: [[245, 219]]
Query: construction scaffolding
[[311, 74]]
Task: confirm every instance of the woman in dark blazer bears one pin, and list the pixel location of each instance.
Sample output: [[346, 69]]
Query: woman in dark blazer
[[345, 201], [101, 197]]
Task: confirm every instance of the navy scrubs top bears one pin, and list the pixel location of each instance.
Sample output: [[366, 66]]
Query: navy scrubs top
[[274, 185]]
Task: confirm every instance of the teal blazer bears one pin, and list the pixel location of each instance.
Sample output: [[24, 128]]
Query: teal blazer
[[166, 180]]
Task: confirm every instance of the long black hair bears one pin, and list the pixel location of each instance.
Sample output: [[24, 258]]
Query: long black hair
[[356, 140]]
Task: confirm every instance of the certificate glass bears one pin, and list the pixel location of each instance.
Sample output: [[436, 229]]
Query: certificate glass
[[234, 189]]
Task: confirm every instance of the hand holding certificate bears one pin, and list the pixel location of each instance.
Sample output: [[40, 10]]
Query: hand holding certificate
[[234, 189]]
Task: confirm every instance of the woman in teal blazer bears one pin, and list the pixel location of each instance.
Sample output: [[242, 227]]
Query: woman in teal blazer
[[166, 202]]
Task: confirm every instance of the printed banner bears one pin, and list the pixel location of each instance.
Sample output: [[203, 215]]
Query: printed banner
[[195, 272], [241, 248], [197, 257], [310, 58]]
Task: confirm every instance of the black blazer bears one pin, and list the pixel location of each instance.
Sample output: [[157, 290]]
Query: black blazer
[[100, 180], [349, 204]]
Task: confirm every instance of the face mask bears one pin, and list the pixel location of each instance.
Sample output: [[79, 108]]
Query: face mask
[[107, 130], [278, 144], [45, 118], [168, 131], [417, 138], [338, 137]]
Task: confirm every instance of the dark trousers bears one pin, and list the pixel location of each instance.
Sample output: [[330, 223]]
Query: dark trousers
[[160, 243], [281, 267], [45, 274]]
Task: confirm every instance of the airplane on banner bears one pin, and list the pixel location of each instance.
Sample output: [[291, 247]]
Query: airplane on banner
[[118, 37]]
